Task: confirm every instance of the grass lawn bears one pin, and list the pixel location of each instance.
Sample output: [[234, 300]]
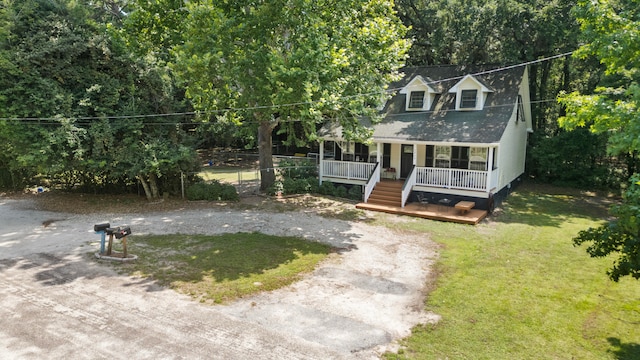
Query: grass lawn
[[517, 288], [218, 269]]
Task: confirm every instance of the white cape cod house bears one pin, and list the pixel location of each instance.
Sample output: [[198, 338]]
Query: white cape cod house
[[449, 133]]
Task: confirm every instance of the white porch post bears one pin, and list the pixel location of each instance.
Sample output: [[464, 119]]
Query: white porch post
[[379, 152], [321, 161], [489, 169], [415, 154]]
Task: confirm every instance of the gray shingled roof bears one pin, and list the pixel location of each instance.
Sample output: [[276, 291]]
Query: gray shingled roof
[[443, 122]]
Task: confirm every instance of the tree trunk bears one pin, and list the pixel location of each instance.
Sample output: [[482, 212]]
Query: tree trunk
[[145, 186], [153, 184], [265, 155], [543, 122]]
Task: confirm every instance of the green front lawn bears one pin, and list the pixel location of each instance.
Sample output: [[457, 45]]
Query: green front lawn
[[218, 269], [516, 287]]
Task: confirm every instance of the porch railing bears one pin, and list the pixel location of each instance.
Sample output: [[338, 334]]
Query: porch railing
[[474, 180], [371, 183], [408, 185], [347, 169], [452, 178]]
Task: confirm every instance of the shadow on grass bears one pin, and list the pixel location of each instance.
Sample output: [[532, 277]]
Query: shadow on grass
[[551, 206], [624, 351], [225, 258]]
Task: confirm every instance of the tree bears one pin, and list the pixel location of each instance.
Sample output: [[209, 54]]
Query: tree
[[71, 96], [611, 30], [620, 236], [293, 63]]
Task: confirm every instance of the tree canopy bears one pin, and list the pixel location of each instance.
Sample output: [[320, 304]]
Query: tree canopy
[[292, 63], [611, 30], [75, 75], [70, 98]]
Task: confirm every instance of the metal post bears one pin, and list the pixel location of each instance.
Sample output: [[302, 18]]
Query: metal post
[[102, 240], [182, 183], [321, 163]]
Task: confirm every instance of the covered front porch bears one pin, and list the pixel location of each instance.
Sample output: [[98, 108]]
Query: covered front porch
[[455, 169], [453, 181]]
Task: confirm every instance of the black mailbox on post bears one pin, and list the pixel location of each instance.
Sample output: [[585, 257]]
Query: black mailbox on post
[[100, 227], [122, 232]]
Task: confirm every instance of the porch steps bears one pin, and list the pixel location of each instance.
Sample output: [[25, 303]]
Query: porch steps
[[387, 193]]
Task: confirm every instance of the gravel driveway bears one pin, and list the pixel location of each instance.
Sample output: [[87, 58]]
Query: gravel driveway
[[56, 303]]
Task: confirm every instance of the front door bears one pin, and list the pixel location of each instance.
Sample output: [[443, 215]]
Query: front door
[[406, 160]]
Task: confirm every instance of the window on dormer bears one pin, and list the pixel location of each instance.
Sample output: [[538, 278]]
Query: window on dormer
[[416, 100], [468, 99]]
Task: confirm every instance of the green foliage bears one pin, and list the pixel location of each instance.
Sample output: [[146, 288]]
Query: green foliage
[[611, 30], [620, 236], [299, 186], [341, 191], [327, 188], [294, 63], [573, 158], [354, 192], [212, 191], [295, 176], [70, 93], [301, 168], [493, 31]]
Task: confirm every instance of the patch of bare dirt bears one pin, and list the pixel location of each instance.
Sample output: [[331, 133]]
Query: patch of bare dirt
[[76, 203]]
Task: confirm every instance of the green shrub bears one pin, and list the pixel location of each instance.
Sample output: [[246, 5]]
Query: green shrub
[[300, 186], [341, 191], [355, 193], [301, 168], [212, 191], [294, 186], [327, 188]]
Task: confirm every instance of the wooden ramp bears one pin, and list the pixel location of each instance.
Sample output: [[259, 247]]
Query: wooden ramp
[[387, 197], [430, 211]]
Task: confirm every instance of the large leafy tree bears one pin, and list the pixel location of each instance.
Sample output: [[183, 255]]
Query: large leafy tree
[[70, 96], [292, 63], [611, 29]]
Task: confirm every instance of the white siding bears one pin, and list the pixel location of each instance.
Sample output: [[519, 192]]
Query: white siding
[[512, 151], [422, 153], [395, 156]]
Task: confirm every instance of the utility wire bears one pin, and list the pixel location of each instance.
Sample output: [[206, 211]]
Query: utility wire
[[35, 121], [262, 107]]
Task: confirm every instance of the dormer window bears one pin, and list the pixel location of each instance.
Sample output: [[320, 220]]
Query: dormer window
[[419, 94], [468, 99], [471, 93], [416, 100]]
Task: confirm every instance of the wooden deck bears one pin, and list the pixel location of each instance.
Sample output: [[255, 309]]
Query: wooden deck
[[430, 211]]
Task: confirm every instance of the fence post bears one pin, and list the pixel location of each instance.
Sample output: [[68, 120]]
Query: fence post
[[182, 183]]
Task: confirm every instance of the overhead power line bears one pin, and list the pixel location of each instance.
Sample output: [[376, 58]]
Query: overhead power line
[[262, 107]]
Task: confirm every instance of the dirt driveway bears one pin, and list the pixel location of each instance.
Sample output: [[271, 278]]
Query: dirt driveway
[[57, 302]]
